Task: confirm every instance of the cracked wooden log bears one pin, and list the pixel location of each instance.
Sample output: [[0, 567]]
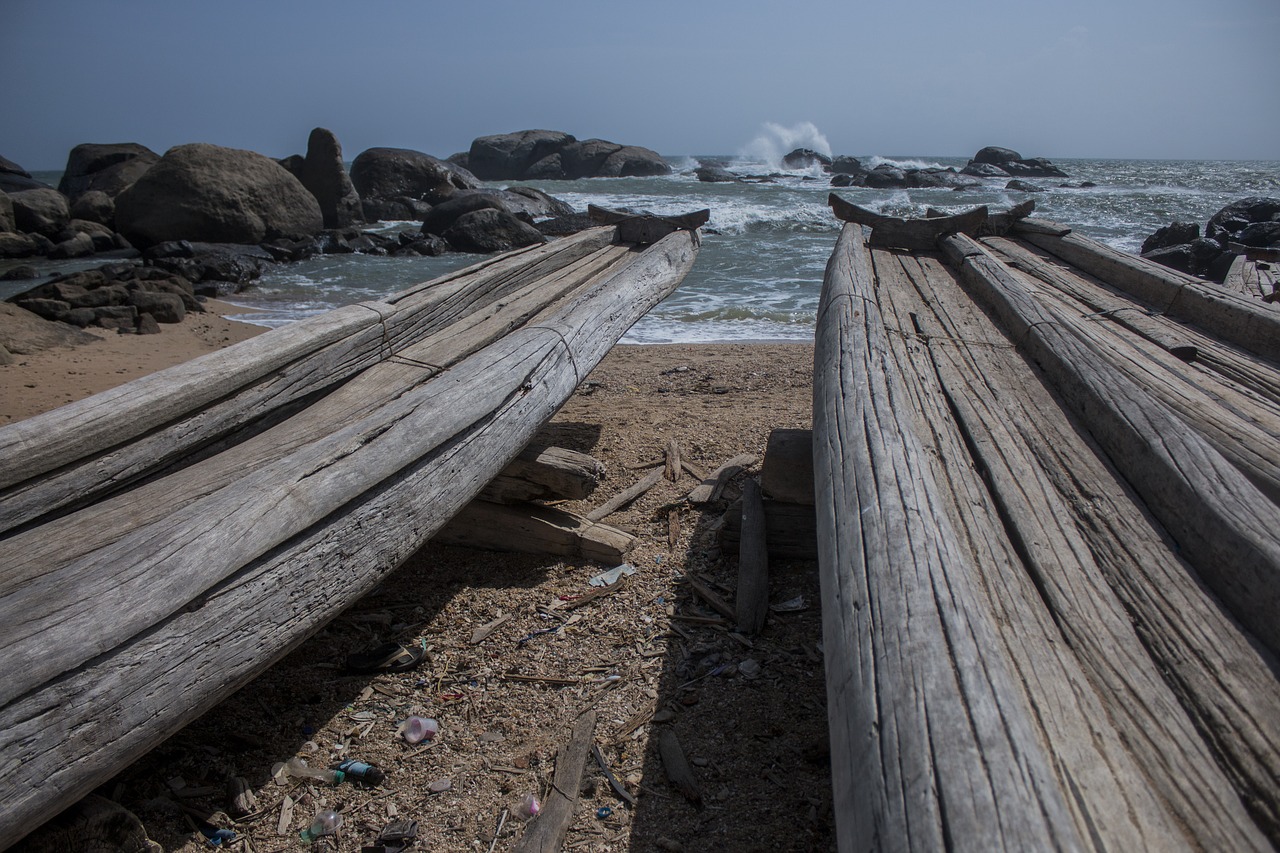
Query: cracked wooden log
[[547, 833], [221, 568], [932, 744], [545, 473], [534, 529]]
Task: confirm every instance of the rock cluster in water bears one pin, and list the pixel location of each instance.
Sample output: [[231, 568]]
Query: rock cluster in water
[[1252, 222], [203, 220], [990, 162]]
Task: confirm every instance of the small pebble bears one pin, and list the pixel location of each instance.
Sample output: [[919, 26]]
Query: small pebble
[[666, 715], [439, 786]]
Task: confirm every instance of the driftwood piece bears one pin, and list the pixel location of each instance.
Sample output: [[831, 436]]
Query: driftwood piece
[[644, 228], [931, 740], [751, 603], [226, 621], [1242, 321], [547, 833], [787, 472], [1224, 526], [627, 495], [617, 786], [534, 529], [677, 768], [545, 473], [1031, 225], [713, 484], [917, 234], [672, 469], [710, 596]]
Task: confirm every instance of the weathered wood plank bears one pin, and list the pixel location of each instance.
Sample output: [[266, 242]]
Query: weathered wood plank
[[751, 601], [931, 742], [533, 529], [1224, 526], [545, 473], [790, 530], [918, 234], [787, 472], [57, 744], [1228, 316], [1119, 727], [627, 495], [713, 484]]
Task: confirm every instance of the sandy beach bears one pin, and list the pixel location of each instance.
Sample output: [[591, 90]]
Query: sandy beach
[[748, 712]]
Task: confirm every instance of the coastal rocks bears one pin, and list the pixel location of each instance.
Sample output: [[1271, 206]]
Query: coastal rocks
[[14, 178], [1024, 186], [41, 211], [24, 333], [325, 177], [715, 175], [112, 297], [215, 194], [7, 222], [490, 230], [106, 168], [805, 158], [1252, 222], [441, 217], [391, 180], [554, 155], [95, 206], [996, 162], [890, 176]]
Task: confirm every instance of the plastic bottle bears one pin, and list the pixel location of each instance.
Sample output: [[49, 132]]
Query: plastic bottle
[[359, 771], [528, 808], [416, 729], [326, 822], [297, 767]]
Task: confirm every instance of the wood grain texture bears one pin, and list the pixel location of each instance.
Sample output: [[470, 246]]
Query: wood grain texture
[[326, 533], [932, 745]]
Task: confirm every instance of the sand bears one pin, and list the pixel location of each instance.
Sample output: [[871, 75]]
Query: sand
[[749, 712]]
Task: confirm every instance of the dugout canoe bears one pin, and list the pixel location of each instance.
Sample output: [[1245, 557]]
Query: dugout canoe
[[1049, 544], [166, 541]]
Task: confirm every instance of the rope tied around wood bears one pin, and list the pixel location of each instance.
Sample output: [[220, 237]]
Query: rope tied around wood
[[390, 354], [573, 362]]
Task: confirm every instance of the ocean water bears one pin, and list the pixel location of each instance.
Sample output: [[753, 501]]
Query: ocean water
[[759, 273]]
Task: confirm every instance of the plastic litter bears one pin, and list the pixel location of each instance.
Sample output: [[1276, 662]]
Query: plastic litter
[[528, 808], [326, 822], [417, 729], [360, 771], [612, 575], [218, 837], [297, 768], [603, 812]]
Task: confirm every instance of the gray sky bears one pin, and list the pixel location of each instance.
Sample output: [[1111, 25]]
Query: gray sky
[[1091, 78]]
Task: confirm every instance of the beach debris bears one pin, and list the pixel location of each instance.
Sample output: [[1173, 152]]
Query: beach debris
[[712, 486], [626, 496], [612, 575], [527, 808], [299, 769], [749, 668], [359, 771], [677, 768], [672, 469], [416, 729], [439, 786], [617, 786], [218, 837], [388, 657], [717, 603], [396, 836], [326, 822], [482, 633], [791, 605], [602, 812], [286, 816], [241, 797]]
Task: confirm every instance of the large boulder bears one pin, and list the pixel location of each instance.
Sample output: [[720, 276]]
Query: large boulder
[[442, 217], [14, 178], [1226, 225], [109, 168], [218, 195], [7, 222], [714, 174], [383, 174], [1173, 234], [40, 211], [324, 175], [23, 332], [491, 230], [1009, 163], [554, 155], [95, 206], [805, 158], [508, 156]]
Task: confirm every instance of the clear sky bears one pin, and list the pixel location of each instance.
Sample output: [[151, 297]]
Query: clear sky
[[1089, 78]]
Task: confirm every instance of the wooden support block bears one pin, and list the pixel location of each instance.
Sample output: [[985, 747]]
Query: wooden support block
[[672, 470], [546, 834], [787, 473], [790, 530], [545, 473], [534, 529], [752, 600]]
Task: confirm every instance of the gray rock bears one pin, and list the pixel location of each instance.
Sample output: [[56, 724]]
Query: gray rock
[[632, 161], [442, 217], [7, 222], [885, 176], [1024, 186], [552, 154], [715, 175], [79, 246], [15, 245], [507, 156], [1173, 234], [40, 211], [845, 165], [110, 168], [1036, 167], [164, 307], [22, 332], [147, 325], [984, 170], [323, 173], [214, 194], [534, 202], [805, 158], [390, 173], [996, 156], [490, 230], [14, 178], [1175, 257], [94, 206], [1260, 234]]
